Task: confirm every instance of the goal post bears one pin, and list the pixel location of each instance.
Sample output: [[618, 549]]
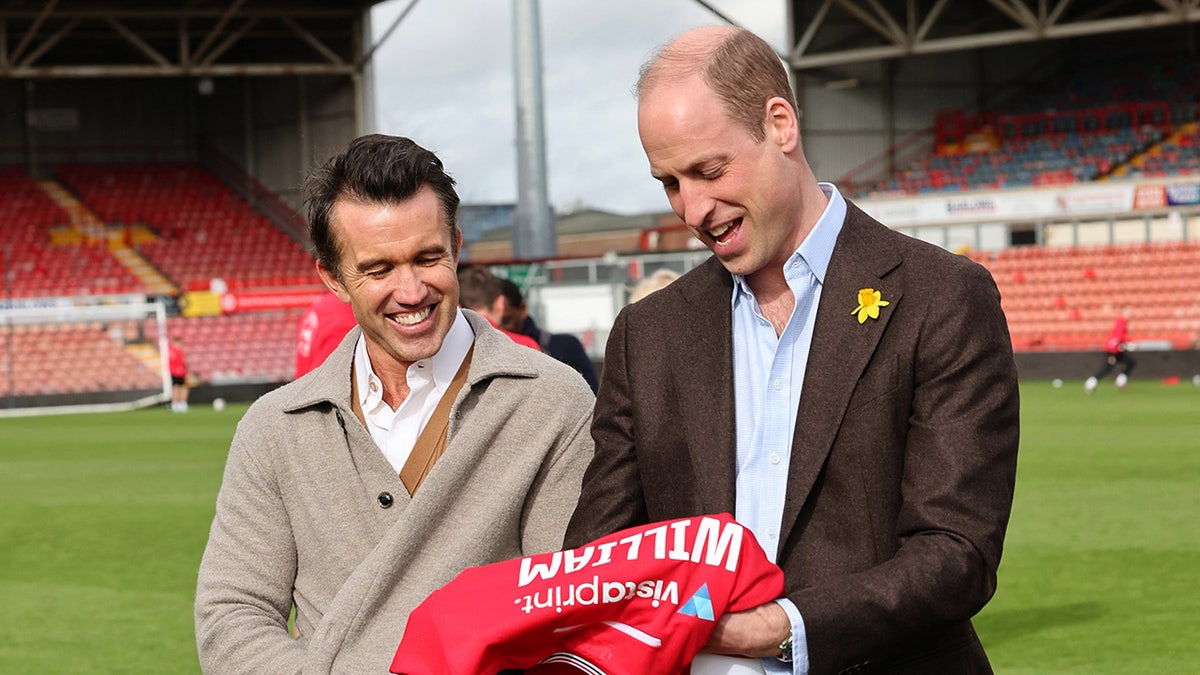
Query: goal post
[[61, 358]]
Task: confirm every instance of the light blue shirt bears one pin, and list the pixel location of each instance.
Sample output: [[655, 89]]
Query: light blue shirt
[[768, 375]]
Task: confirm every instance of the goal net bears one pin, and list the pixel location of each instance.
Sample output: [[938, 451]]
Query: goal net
[[63, 358]]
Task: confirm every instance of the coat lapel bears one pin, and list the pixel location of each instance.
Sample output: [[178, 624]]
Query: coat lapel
[[841, 348], [704, 379]]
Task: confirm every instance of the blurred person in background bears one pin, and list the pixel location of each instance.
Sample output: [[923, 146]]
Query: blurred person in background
[[181, 379], [428, 442], [480, 290], [657, 280], [848, 392], [1116, 355], [562, 346], [320, 330]]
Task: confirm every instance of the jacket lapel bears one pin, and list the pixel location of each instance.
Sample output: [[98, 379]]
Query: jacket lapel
[[704, 379], [841, 348]]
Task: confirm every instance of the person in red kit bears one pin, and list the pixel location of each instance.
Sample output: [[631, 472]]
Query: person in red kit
[[641, 600], [1116, 354], [177, 367], [320, 331]]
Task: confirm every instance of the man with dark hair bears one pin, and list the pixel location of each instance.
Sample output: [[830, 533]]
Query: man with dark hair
[[562, 346], [425, 444], [848, 392], [480, 290]]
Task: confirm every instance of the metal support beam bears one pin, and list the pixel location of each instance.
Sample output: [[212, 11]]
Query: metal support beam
[[47, 10], [216, 30], [316, 44], [228, 42], [59, 39], [1027, 26], [49, 42], [137, 42], [214, 70]]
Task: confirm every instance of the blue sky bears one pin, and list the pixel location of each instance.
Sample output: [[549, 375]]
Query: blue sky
[[444, 78]]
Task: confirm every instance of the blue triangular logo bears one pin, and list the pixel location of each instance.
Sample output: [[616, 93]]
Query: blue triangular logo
[[699, 605]]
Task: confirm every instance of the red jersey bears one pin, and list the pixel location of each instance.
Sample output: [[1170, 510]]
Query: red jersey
[[642, 600], [1118, 337], [176, 364], [321, 330], [515, 337]]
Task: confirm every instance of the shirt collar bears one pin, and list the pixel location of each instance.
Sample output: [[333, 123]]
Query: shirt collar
[[444, 363], [817, 248]]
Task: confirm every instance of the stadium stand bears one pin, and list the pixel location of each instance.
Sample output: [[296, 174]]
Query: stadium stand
[[1096, 122], [72, 359], [44, 255], [1064, 299], [1177, 155], [1027, 161], [147, 229], [251, 347], [204, 231]]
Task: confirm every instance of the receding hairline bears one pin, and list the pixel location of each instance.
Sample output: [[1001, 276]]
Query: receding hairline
[[685, 55]]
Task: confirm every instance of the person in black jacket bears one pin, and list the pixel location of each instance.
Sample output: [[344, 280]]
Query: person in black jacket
[[562, 346]]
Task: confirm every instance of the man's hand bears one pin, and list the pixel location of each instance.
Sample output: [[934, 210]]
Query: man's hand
[[753, 633]]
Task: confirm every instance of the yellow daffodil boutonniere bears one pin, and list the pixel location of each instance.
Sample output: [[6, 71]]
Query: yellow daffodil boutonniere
[[869, 302]]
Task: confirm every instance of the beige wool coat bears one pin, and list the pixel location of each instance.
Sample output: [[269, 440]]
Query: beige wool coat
[[300, 516]]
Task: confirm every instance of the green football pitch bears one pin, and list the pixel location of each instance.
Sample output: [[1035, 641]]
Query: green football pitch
[[104, 519]]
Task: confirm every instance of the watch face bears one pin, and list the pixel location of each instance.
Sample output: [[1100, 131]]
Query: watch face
[[785, 650]]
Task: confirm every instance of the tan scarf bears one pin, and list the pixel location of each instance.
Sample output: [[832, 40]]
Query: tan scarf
[[431, 443]]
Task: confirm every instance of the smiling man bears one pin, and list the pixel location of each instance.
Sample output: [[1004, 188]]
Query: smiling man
[[848, 392], [428, 442]]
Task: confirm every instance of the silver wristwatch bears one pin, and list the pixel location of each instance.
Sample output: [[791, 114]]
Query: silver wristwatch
[[785, 650]]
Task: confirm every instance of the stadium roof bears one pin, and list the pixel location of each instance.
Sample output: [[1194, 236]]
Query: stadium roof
[[835, 32], [148, 38], [152, 38]]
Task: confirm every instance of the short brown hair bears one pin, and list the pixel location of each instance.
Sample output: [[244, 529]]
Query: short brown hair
[[742, 70], [478, 287]]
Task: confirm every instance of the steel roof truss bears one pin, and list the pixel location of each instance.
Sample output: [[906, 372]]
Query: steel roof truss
[[229, 41], [33, 29], [1031, 20], [49, 42], [77, 38], [137, 42], [216, 29], [313, 41]]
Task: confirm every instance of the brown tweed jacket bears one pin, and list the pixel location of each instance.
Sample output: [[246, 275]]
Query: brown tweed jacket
[[904, 452]]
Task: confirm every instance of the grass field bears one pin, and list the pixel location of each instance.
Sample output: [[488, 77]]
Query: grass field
[[105, 517]]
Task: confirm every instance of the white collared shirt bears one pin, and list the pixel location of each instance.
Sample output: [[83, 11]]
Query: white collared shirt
[[396, 431]]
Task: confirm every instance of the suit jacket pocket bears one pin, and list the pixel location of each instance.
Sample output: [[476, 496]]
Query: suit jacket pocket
[[881, 378]]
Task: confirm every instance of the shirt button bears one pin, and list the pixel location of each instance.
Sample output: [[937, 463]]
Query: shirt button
[[385, 500], [778, 385], [774, 458], [771, 533], [374, 386]]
